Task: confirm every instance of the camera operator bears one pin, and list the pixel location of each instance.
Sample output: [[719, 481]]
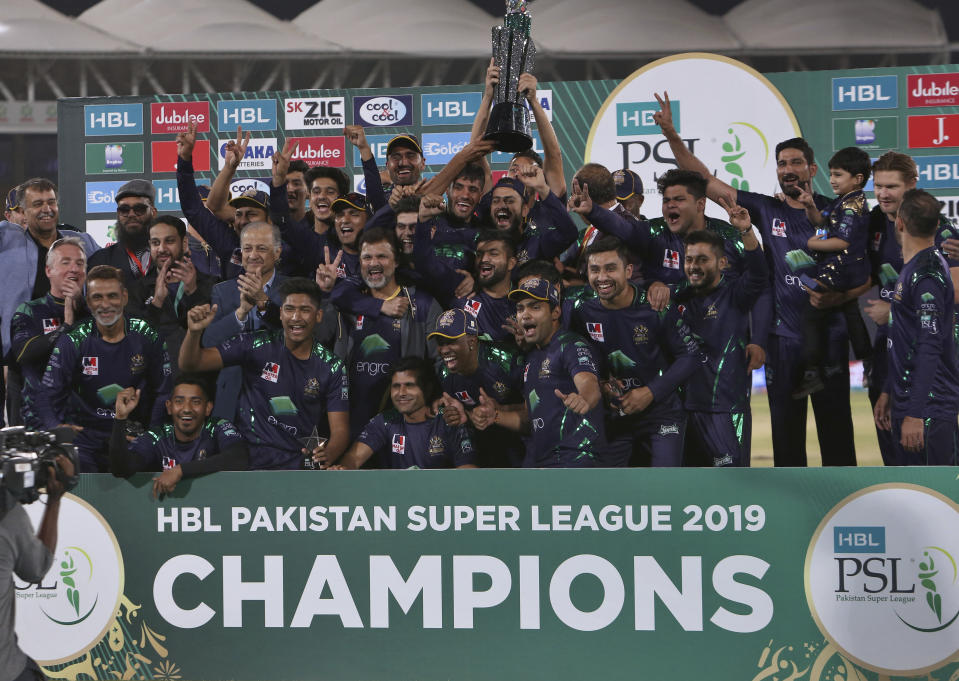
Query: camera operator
[[28, 557]]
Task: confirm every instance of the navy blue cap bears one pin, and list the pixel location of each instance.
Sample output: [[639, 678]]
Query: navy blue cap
[[627, 183], [536, 288], [454, 324]]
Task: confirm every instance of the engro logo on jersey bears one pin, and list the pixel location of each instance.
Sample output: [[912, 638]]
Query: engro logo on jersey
[[383, 110], [173, 117], [734, 136], [318, 113], [933, 89], [76, 602], [869, 562]]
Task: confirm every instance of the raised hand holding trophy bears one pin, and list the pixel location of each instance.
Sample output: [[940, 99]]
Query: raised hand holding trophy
[[514, 54]]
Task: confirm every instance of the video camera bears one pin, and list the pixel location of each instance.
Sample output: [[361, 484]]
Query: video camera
[[25, 458]]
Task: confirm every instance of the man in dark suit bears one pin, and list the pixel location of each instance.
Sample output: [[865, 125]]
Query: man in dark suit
[[135, 213], [246, 303]]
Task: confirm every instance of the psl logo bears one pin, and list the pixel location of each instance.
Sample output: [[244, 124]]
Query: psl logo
[[898, 573]]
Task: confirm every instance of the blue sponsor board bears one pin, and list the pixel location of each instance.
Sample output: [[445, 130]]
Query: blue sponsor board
[[636, 118], [251, 114], [100, 196], [452, 108], [100, 120], [871, 539], [440, 147], [506, 157], [377, 146], [168, 198], [865, 92], [383, 110], [938, 172]]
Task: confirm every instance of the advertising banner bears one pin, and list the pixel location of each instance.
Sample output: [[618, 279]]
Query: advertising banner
[[757, 574]]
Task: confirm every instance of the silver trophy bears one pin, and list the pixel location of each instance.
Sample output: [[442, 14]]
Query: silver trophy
[[514, 53]]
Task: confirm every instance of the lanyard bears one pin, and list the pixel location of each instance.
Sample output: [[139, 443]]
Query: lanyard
[[136, 260]]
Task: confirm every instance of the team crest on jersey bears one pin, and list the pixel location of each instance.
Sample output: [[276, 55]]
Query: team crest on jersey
[[640, 334], [671, 259], [595, 330], [711, 312], [473, 307], [464, 397], [499, 388], [168, 462], [399, 444], [522, 257], [779, 227], [201, 455], [271, 372], [898, 294], [137, 364], [359, 322], [544, 371], [50, 324], [91, 366], [436, 446], [312, 388], [397, 324]]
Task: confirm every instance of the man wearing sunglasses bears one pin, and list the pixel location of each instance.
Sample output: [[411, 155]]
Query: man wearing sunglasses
[[135, 213]]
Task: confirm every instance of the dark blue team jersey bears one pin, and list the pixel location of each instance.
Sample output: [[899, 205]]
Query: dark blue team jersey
[[429, 444], [158, 449], [94, 371], [923, 379], [284, 398], [490, 313], [783, 229], [720, 321], [35, 323], [561, 438], [847, 218], [641, 347]]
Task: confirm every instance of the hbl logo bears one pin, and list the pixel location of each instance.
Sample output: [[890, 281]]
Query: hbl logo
[[112, 119], [869, 92], [252, 114]]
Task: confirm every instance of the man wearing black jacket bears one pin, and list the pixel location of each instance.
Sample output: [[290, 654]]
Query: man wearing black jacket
[[171, 286]]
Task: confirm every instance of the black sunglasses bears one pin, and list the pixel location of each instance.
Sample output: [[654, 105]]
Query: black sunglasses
[[139, 209]]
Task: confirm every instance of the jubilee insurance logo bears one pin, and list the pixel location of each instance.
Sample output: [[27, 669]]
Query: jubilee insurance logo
[[71, 610], [882, 580]]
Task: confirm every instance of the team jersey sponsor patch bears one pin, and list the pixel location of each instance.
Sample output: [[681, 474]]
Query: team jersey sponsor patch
[[671, 259], [473, 307], [779, 227], [399, 444], [91, 366], [464, 397], [50, 324], [271, 372], [595, 330]]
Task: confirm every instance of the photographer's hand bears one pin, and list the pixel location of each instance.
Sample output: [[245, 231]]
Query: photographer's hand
[[55, 489]]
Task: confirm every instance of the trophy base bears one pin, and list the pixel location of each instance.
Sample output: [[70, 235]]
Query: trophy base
[[509, 127]]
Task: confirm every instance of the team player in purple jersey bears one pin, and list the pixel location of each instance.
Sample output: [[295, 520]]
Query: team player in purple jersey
[[921, 396], [646, 355], [191, 444], [716, 308], [408, 436], [495, 262], [893, 174], [564, 406], [371, 344], [784, 226], [471, 370], [96, 360], [294, 389], [38, 324], [658, 244]]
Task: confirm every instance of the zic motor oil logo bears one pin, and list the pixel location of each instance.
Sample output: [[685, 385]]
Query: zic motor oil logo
[[882, 581], [734, 136], [72, 608]]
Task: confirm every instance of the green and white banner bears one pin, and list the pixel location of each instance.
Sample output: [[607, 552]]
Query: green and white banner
[[679, 575], [730, 115]]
